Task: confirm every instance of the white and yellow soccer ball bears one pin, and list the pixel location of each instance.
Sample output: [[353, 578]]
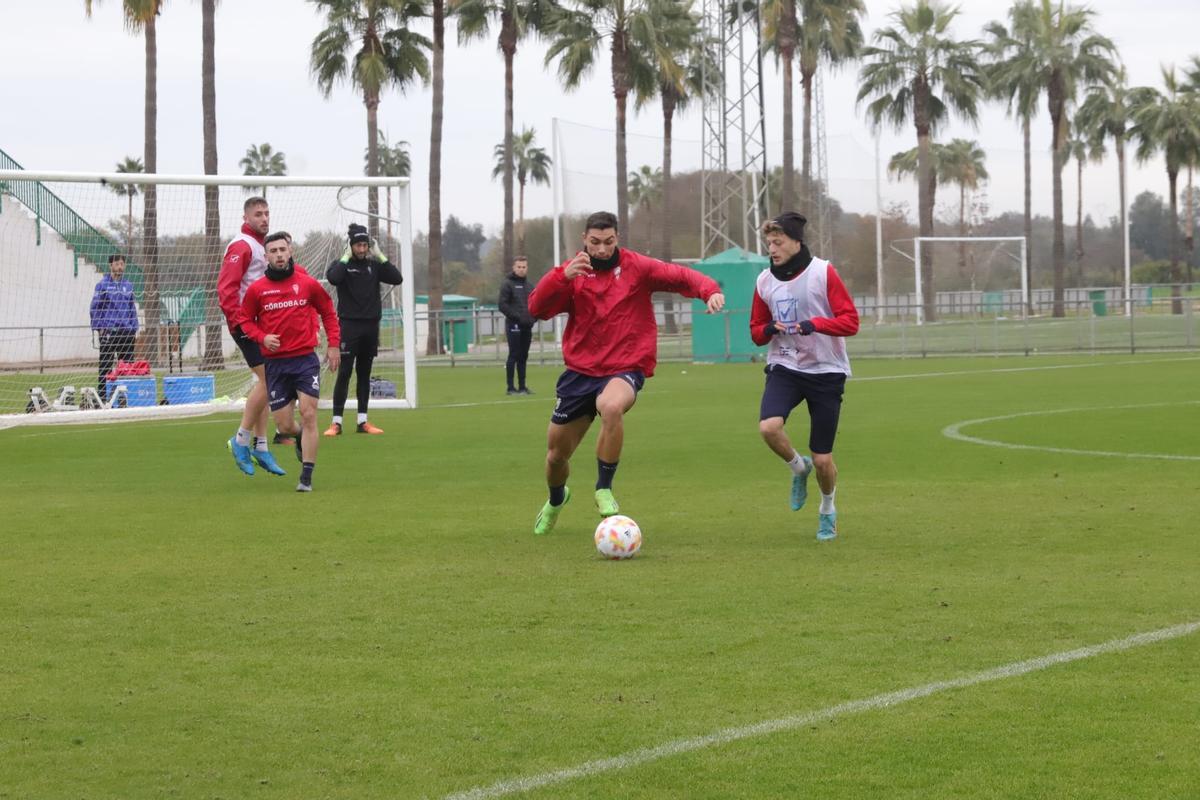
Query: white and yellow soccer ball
[[618, 537]]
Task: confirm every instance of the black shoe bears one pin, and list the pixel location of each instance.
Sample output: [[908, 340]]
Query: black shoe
[[524, 390], [512, 391], [283, 438]]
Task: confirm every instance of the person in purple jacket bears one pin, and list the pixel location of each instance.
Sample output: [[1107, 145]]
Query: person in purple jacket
[[114, 318]]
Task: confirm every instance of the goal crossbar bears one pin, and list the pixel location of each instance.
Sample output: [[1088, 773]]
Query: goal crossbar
[[152, 178]]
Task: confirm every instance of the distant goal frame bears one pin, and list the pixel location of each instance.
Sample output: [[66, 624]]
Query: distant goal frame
[[1024, 269]]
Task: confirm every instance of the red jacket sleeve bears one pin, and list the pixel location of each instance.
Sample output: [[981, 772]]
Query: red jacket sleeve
[[248, 316], [552, 295], [329, 317], [666, 277], [761, 322], [229, 282], [845, 316]]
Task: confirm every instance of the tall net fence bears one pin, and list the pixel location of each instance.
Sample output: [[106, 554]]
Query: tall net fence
[[58, 234]]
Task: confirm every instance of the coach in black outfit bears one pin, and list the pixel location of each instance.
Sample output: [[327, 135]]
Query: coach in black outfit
[[518, 324], [357, 276]]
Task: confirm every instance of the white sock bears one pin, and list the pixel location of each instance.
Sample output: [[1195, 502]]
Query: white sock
[[337, 419], [243, 437], [827, 506], [362, 418], [260, 444], [798, 465]]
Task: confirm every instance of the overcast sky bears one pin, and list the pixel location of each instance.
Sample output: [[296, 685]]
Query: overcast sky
[[72, 99]]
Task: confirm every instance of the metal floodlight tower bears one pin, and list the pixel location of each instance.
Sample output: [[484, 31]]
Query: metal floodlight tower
[[733, 160]]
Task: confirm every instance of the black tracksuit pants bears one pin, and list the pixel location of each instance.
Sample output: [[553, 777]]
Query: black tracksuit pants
[[519, 338], [115, 344], [360, 345]]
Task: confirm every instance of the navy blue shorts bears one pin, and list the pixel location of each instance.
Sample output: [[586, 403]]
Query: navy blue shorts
[[822, 391], [288, 376], [250, 349], [577, 393]]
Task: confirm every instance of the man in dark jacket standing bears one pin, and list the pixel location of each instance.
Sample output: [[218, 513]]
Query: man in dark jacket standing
[[518, 324], [357, 276], [114, 318]]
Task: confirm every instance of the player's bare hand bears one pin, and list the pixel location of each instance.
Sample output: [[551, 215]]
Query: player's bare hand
[[333, 357], [271, 342], [715, 303], [581, 264]]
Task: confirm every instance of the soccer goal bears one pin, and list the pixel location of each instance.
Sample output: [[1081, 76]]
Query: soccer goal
[[59, 230], [976, 276]]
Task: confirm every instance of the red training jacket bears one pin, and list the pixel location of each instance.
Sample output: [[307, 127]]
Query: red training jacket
[[289, 308], [610, 317]]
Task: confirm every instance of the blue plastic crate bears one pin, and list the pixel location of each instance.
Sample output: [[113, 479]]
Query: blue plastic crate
[[141, 390], [181, 389]]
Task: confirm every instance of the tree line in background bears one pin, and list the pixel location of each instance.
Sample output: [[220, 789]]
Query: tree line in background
[[916, 73]]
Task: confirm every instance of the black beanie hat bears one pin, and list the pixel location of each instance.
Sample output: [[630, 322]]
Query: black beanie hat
[[792, 224], [358, 233]]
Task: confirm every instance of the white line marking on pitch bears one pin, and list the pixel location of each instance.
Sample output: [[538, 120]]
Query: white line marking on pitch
[[997, 370], [679, 746], [955, 432]]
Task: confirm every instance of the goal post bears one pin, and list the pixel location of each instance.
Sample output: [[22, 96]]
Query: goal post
[[917, 278], [59, 229]]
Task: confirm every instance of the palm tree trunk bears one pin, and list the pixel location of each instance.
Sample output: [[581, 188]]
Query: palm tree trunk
[[508, 45], [668, 109], [1176, 273], [1190, 240], [1079, 226], [806, 192], [925, 220], [129, 227], [787, 196], [521, 224], [150, 206], [213, 357], [371, 101], [434, 344], [1120, 141], [962, 230], [1027, 137], [1059, 250], [620, 80]]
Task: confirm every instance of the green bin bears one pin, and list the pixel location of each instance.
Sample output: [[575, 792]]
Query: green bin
[[726, 336], [457, 320], [1099, 304]]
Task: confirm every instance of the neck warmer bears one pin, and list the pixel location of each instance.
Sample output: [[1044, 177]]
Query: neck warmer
[[606, 263], [793, 266], [276, 274]]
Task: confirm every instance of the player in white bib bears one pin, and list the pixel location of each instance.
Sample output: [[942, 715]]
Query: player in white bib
[[803, 311]]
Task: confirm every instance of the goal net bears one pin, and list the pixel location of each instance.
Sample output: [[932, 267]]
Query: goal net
[[58, 232]]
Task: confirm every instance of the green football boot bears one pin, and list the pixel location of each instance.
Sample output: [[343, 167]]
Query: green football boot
[[606, 504], [549, 515]]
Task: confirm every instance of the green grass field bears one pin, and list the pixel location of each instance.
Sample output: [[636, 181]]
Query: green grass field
[[169, 628]]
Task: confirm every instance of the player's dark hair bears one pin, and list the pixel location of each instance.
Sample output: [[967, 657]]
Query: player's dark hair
[[277, 236], [116, 257], [251, 202], [601, 221]]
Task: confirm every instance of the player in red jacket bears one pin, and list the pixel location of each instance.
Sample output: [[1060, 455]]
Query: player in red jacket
[[280, 312], [610, 347]]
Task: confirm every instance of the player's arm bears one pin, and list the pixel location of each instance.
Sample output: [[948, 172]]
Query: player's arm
[[248, 316], [97, 304], [844, 321], [336, 273], [389, 273], [666, 277], [762, 325], [552, 295], [229, 281]]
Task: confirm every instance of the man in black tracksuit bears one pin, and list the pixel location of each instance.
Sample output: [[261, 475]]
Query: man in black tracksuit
[[357, 276], [518, 324]]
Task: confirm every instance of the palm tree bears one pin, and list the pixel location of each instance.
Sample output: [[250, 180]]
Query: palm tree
[[1069, 55], [142, 16], [369, 43], [963, 164], [1169, 122], [830, 32], [1192, 86], [1102, 115], [645, 191], [1013, 77], [434, 340], [394, 162], [517, 19], [214, 358], [905, 69], [531, 164], [261, 159], [1083, 149], [129, 191], [778, 18], [631, 28]]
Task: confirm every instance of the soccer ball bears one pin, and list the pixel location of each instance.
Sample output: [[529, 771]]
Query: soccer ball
[[618, 537]]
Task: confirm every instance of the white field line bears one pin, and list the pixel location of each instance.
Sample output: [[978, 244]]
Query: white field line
[[880, 701], [955, 432]]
